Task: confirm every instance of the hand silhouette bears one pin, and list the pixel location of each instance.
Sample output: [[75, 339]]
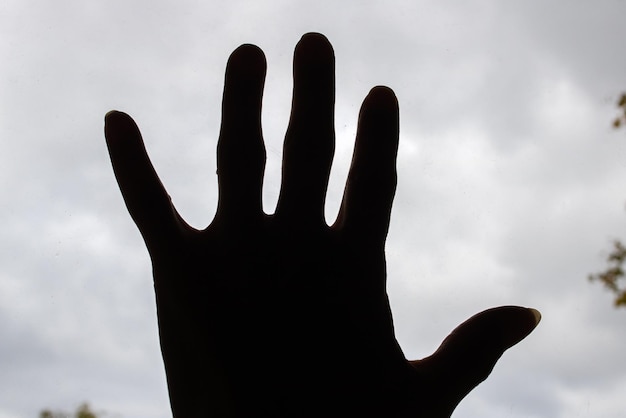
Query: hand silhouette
[[282, 315]]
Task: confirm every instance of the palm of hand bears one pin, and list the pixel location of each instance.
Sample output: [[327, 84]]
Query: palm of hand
[[280, 336], [282, 315]]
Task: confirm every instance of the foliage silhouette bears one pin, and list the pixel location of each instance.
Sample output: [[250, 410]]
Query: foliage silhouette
[[616, 258], [621, 118], [613, 273], [83, 411]]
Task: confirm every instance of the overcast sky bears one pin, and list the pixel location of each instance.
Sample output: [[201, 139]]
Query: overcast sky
[[512, 182]]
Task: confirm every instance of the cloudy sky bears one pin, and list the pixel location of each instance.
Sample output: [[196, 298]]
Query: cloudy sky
[[512, 182]]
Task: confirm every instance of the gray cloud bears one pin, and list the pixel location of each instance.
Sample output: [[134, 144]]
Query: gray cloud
[[510, 181]]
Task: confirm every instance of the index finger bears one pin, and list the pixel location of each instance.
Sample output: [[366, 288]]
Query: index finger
[[366, 207]]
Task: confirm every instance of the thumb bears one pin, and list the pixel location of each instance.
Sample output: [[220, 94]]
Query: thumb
[[467, 356]]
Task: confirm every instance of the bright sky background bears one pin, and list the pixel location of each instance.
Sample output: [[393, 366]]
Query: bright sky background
[[512, 182]]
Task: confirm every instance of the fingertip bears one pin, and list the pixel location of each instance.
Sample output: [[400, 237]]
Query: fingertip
[[313, 38], [314, 47], [110, 113], [247, 58], [520, 325], [118, 125], [249, 47], [382, 97], [381, 104], [314, 35], [517, 323], [115, 115], [109, 118]]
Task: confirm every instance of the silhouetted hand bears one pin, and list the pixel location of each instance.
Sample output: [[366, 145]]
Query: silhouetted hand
[[282, 315]]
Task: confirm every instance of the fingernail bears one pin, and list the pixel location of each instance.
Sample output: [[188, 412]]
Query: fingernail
[[536, 314]]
